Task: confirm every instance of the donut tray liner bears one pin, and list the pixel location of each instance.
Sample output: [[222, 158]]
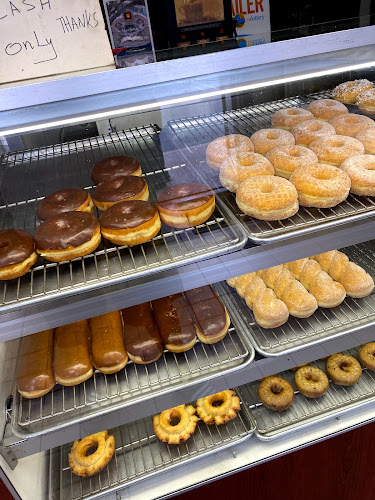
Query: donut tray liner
[[325, 324], [307, 411], [107, 394], [140, 455], [27, 176], [191, 136]]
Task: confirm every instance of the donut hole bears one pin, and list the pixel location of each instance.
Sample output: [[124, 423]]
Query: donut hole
[[276, 389], [338, 143], [246, 162], [217, 403], [345, 366], [323, 176], [91, 450], [330, 104], [293, 111], [266, 189], [314, 127], [296, 153], [174, 419], [311, 378], [272, 135]]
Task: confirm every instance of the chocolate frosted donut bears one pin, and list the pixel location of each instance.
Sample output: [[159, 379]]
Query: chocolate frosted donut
[[186, 205], [115, 166], [67, 236], [130, 222], [65, 200], [17, 253], [125, 188]]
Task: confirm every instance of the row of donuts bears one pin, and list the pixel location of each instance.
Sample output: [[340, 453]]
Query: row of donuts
[[277, 394], [69, 229], [69, 354], [300, 287], [360, 92]]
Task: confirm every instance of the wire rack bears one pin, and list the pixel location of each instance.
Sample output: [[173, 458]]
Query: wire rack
[[139, 454], [323, 325], [191, 136], [103, 394], [306, 411], [28, 176]]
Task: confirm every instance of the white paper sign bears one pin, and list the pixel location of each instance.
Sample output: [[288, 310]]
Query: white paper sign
[[49, 37], [253, 21]]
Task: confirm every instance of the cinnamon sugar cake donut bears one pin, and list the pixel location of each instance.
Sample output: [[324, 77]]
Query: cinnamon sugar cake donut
[[267, 138], [366, 101], [348, 91], [367, 138], [288, 118], [334, 149], [286, 159], [351, 124], [361, 170], [305, 132], [241, 166], [325, 109], [222, 147]]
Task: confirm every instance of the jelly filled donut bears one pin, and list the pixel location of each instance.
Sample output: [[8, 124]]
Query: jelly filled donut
[[367, 138], [366, 101], [305, 132], [267, 197], [288, 118], [361, 170], [241, 166], [115, 166], [334, 149], [320, 186], [222, 147], [65, 200], [325, 109], [311, 381], [276, 393], [267, 138], [125, 188], [130, 222], [67, 236], [175, 425], [351, 124], [17, 253], [366, 354], [186, 205], [343, 369], [348, 91], [286, 159]]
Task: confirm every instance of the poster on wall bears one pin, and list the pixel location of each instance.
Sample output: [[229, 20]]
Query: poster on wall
[[129, 26], [193, 12], [252, 21]]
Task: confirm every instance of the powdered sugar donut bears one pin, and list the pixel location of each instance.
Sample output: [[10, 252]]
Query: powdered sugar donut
[[334, 149], [325, 109], [241, 166], [305, 132], [348, 91], [367, 138], [267, 138], [366, 101], [222, 147], [289, 117], [350, 124], [286, 159], [361, 170]]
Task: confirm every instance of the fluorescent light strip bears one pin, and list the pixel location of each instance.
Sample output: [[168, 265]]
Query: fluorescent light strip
[[181, 100]]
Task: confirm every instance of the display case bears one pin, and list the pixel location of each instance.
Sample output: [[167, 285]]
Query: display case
[[165, 115]]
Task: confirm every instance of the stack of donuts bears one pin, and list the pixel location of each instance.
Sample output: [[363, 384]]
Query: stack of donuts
[[300, 287], [69, 229], [311, 157], [69, 354], [277, 394]]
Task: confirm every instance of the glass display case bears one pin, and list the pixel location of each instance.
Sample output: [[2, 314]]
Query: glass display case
[[165, 115]]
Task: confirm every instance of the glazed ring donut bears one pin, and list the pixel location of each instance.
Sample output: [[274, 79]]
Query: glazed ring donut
[[174, 433], [320, 186], [361, 170], [305, 132], [334, 149], [276, 393], [348, 91], [218, 408], [311, 381], [267, 138], [267, 197], [286, 159], [351, 124], [366, 101], [222, 147], [83, 464], [366, 354], [241, 166], [288, 118], [325, 109], [343, 369], [367, 138]]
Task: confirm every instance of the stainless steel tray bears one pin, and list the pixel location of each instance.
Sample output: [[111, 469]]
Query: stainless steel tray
[[306, 411], [104, 394], [139, 455], [323, 325], [27, 176], [190, 138]]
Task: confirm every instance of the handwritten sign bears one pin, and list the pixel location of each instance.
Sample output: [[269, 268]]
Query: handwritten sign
[[49, 37]]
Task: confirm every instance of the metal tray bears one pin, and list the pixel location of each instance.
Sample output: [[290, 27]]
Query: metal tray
[[140, 455], [104, 394], [323, 325], [306, 411], [190, 138], [28, 176]]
